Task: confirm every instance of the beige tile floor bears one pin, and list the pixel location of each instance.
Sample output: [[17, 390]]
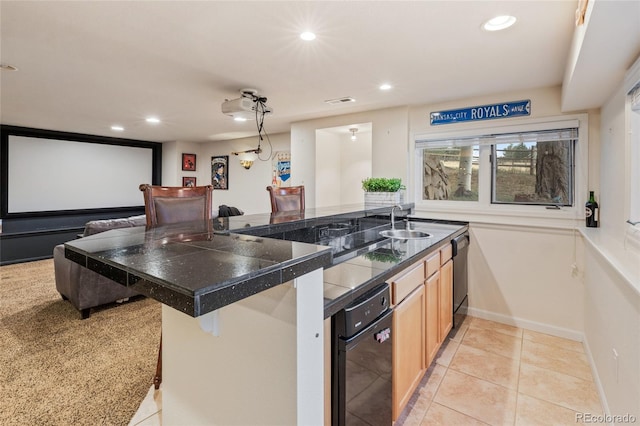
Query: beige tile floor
[[150, 411], [486, 373], [495, 374]]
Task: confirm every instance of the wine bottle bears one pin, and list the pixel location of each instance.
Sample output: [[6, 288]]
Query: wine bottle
[[591, 212]]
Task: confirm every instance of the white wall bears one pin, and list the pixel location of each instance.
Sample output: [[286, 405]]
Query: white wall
[[389, 155], [172, 172], [612, 273], [612, 323], [613, 158], [357, 165], [522, 276], [247, 188], [341, 165], [328, 164]]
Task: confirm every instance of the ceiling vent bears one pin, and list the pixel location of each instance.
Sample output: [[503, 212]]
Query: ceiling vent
[[338, 101]]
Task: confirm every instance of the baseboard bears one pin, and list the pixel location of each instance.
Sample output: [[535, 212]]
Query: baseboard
[[26, 259], [528, 325], [596, 378]]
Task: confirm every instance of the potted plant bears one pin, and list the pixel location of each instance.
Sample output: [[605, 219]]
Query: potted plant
[[383, 191]]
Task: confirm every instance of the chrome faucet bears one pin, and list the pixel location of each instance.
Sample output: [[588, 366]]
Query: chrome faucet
[[393, 216]]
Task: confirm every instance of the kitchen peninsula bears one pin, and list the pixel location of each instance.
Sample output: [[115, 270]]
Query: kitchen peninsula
[[244, 302]]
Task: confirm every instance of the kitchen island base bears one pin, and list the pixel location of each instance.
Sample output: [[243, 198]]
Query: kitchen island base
[[263, 366]]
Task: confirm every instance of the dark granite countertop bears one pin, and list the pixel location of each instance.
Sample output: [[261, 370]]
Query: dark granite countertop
[[348, 280], [198, 268]]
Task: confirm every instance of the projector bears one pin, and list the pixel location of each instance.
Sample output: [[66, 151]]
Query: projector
[[245, 107]]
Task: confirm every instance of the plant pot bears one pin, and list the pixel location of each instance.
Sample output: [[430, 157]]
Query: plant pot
[[383, 198]]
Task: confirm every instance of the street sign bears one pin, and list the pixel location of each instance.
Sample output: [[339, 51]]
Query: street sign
[[482, 112]]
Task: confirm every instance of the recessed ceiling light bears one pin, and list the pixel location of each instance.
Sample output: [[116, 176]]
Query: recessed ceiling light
[[308, 36], [499, 23], [385, 86], [152, 120], [7, 67], [117, 128]]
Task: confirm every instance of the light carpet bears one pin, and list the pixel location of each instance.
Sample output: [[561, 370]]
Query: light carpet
[[56, 369]]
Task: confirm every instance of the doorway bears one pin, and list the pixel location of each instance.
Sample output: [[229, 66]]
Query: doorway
[[343, 160]]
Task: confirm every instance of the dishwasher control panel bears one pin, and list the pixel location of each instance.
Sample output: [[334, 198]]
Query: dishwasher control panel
[[364, 310]]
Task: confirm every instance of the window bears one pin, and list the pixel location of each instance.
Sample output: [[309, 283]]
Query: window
[[632, 151], [513, 169], [450, 173], [534, 168]]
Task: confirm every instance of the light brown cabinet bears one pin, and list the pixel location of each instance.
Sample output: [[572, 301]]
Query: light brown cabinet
[[408, 348], [408, 281], [432, 306], [422, 296], [445, 316], [432, 338]]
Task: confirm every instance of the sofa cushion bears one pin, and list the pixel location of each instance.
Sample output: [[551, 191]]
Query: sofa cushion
[[97, 226]]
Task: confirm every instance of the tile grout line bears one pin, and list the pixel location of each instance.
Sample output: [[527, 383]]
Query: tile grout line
[[515, 411], [447, 367]]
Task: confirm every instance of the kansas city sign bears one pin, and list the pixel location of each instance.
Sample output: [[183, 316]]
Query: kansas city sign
[[482, 112]]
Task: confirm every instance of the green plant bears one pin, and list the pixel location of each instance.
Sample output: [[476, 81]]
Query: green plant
[[382, 185]]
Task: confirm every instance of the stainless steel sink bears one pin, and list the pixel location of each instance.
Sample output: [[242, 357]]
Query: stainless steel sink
[[404, 234]]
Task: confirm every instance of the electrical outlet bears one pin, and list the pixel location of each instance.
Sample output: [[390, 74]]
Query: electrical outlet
[[574, 270]]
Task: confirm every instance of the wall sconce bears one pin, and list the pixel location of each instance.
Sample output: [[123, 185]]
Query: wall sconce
[[353, 131], [247, 157]]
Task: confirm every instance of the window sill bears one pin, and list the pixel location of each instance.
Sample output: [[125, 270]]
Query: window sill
[[536, 217], [621, 257]]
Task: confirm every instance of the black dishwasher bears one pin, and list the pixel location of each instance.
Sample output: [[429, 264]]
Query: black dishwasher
[[361, 360], [460, 247]]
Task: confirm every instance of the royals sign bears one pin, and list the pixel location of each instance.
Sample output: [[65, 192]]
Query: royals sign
[[483, 112]]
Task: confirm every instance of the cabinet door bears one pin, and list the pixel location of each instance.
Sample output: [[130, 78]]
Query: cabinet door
[[432, 308], [408, 348], [403, 285], [433, 263], [446, 299]]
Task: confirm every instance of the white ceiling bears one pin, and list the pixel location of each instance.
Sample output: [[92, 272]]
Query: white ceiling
[[84, 66]]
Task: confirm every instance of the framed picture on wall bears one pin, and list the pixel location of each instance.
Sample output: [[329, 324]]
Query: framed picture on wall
[[189, 162], [188, 181], [220, 172]]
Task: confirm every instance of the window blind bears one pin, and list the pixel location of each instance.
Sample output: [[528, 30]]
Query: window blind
[[634, 97], [568, 134]]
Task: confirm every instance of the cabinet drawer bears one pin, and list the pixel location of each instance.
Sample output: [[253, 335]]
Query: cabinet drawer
[[407, 282], [433, 263], [445, 253]]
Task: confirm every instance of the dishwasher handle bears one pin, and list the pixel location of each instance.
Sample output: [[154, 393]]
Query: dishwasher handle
[[459, 243], [382, 325]]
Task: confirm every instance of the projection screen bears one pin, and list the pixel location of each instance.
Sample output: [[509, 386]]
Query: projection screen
[[52, 175]]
